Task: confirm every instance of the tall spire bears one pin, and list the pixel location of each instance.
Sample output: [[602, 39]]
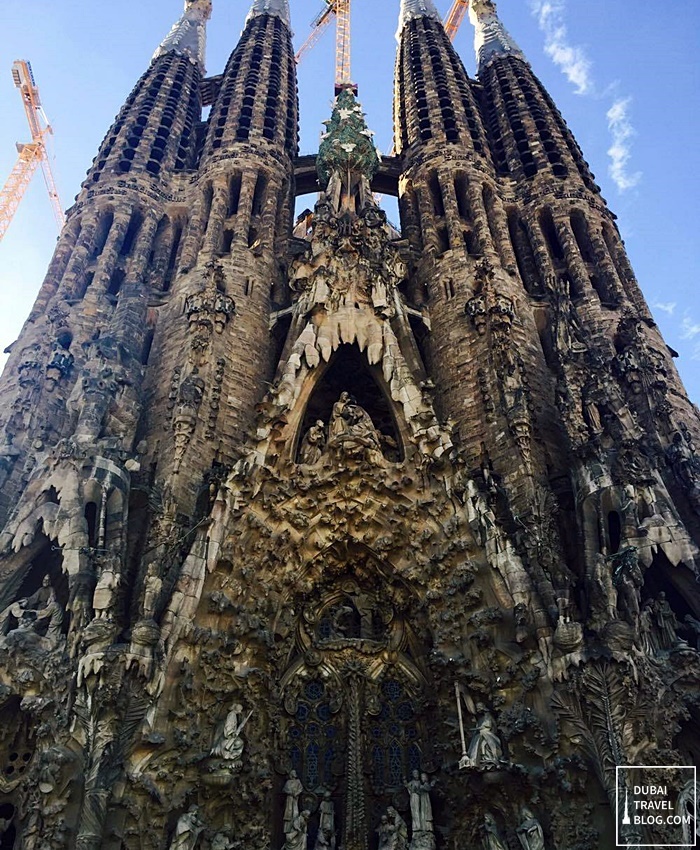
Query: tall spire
[[188, 37], [411, 9], [279, 8], [491, 38]]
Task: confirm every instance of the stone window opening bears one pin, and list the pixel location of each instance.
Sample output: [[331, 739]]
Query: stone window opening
[[549, 232], [461, 193], [147, 347], [131, 234], [8, 838], [524, 255], [449, 287], [91, 514], [172, 258], [614, 527], [227, 241]]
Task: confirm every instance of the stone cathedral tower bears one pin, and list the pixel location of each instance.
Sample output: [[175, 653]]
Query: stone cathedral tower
[[319, 534]]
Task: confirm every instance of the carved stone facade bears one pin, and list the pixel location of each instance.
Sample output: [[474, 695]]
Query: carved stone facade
[[325, 535]]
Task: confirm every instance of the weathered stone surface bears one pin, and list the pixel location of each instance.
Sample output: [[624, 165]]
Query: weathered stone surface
[[322, 535]]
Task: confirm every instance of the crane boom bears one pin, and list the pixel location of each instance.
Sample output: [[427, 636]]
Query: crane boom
[[319, 25], [11, 194], [455, 17], [30, 155]]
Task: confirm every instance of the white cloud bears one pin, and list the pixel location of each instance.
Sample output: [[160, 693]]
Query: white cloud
[[667, 307], [622, 132], [571, 59], [576, 65], [689, 328]]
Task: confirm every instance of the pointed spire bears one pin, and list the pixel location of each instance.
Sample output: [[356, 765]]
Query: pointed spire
[[189, 35], [491, 38], [280, 8], [411, 9]]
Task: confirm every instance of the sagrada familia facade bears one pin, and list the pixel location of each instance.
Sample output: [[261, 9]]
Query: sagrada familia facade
[[318, 534]]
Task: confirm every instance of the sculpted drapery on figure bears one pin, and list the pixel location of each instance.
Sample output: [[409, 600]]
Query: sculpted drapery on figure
[[229, 742], [529, 831], [296, 836], [485, 747], [421, 809], [293, 788], [187, 831]]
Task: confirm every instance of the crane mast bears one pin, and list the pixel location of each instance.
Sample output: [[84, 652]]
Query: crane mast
[[342, 45], [31, 155], [455, 17], [340, 9]]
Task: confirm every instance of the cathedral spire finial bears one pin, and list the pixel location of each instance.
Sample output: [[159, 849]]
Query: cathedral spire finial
[[491, 38], [411, 9], [188, 37], [280, 8]]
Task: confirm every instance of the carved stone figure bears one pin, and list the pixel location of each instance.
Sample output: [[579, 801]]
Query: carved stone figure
[[485, 748], [326, 837], [187, 831], [628, 579], [398, 830], [153, 585], [105, 592], [529, 831], [293, 789], [666, 621], [313, 443], [492, 838], [229, 743], [601, 590], [351, 429], [296, 834], [31, 613], [421, 809]]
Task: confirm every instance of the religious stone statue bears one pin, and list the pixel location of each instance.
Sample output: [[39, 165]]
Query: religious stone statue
[[666, 621], [153, 585], [492, 838], [628, 579], [229, 742], [30, 613], [326, 838], [485, 748], [313, 443], [222, 841], [421, 809], [601, 590], [351, 429], [296, 835], [529, 831], [393, 832], [105, 591], [293, 789], [187, 831]]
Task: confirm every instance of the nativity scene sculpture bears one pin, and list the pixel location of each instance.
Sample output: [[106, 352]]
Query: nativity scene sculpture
[[351, 434]]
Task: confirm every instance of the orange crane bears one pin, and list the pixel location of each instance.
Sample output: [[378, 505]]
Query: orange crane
[[31, 155], [340, 9], [455, 17]]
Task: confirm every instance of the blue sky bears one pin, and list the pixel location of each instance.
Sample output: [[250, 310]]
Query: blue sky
[[624, 73]]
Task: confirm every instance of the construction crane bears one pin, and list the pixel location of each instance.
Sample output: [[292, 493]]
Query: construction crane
[[340, 10], [455, 17], [31, 155]]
